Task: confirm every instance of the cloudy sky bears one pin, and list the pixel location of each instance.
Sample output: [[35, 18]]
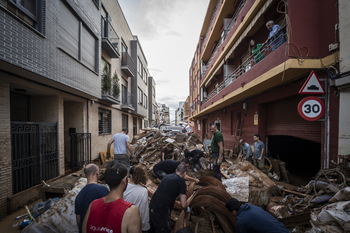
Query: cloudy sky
[[168, 31]]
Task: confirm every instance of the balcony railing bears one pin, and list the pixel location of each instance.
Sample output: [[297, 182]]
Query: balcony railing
[[254, 59], [210, 24], [126, 100], [110, 39], [127, 64], [224, 35], [112, 95]]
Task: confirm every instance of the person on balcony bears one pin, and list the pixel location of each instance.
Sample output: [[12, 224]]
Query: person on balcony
[[256, 51], [275, 38]]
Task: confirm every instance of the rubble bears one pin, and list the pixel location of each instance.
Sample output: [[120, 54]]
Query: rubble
[[321, 206]]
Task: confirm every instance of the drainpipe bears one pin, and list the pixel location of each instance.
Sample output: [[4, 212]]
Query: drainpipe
[[326, 127], [87, 116]]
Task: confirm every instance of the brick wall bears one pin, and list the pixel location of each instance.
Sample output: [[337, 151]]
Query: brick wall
[[21, 46], [5, 147]]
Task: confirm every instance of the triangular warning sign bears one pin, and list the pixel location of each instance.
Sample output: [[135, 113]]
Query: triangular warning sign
[[312, 85]]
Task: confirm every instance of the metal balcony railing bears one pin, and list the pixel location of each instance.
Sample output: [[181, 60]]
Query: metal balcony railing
[[224, 35], [113, 91], [255, 58], [109, 33], [210, 24], [126, 98], [127, 64]]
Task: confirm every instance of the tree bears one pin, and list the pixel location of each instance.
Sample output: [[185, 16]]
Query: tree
[[106, 79], [116, 88]]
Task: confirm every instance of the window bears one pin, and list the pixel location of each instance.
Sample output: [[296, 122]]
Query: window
[[153, 109], [145, 101], [104, 121], [140, 123], [140, 93], [125, 121], [154, 92], [124, 94], [145, 76], [124, 47], [27, 10], [76, 39], [146, 124], [139, 66]]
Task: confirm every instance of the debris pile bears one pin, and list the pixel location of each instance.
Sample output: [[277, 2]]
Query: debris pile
[[321, 206]]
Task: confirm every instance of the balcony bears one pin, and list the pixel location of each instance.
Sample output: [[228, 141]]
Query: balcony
[[228, 24], [126, 101], [109, 39], [127, 64], [210, 25], [110, 91], [248, 64]]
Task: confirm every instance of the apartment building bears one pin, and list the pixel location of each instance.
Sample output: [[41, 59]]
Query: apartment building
[[246, 93], [164, 114], [342, 79], [66, 76], [179, 113], [152, 110]]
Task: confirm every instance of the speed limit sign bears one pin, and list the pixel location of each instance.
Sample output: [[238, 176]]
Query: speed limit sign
[[311, 108]]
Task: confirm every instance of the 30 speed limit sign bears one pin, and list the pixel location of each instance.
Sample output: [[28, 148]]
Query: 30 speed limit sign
[[311, 108]]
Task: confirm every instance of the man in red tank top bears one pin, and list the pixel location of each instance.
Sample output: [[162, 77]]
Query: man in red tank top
[[111, 214]]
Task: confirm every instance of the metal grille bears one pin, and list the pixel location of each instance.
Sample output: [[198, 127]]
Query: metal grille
[[34, 155], [80, 144]]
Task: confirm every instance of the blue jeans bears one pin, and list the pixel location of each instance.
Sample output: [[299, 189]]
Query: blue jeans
[[159, 173], [216, 168], [124, 159]]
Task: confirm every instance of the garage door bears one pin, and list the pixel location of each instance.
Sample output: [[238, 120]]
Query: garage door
[[282, 118]]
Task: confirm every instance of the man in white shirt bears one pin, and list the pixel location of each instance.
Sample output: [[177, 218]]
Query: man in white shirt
[[121, 145]]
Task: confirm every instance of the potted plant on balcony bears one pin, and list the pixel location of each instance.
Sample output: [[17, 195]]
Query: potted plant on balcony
[[106, 79], [116, 88]]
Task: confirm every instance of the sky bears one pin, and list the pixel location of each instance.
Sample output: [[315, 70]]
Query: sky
[[168, 31]]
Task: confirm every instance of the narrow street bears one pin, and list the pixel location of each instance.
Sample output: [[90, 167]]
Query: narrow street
[[192, 116]]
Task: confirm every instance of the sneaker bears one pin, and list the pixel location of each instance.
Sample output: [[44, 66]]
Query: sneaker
[[195, 170]]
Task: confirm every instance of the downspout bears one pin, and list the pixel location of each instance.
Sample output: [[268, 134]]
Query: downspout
[[87, 116]]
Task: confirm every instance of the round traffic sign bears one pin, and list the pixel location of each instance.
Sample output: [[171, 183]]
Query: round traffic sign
[[311, 108]]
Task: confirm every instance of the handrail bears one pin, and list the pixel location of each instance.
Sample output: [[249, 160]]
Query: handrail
[[224, 35], [127, 60], [126, 98], [113, 90], [110, 34], [255, 58], [211, 22]]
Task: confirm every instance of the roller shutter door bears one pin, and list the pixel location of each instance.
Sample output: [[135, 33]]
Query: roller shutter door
[[282, 118]]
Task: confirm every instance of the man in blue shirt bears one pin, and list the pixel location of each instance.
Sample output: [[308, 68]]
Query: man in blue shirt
[[89, 193], [251, 218], [276, 38], [259, 149], [246, 150], [121, 145]]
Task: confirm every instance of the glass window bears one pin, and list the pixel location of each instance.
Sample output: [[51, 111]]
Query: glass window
[[104, 121], [140, 123], [76, 39], [140, 93], [27, 10], [145, 100], [125, 121]]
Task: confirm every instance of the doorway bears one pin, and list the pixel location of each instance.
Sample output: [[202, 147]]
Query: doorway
[[302, 157]]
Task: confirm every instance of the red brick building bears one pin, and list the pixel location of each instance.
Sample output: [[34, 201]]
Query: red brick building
[[244, 94]]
